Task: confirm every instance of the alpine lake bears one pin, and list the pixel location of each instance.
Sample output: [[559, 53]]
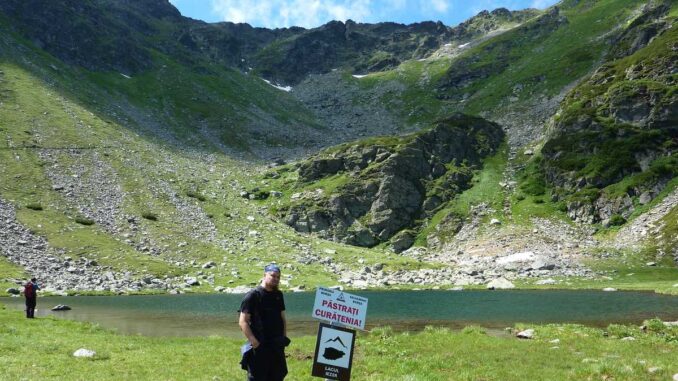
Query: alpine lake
[[217, 314]]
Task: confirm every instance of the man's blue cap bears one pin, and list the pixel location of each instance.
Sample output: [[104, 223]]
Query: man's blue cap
[[272, 268]]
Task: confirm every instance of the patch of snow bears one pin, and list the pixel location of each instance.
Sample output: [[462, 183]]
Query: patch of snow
[[125, 75], [448, 44], [359, 75], [283, 88], [463, 45], [518, 257]]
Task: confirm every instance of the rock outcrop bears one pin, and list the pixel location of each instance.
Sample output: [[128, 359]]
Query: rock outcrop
[[386, 185], [613, 143]]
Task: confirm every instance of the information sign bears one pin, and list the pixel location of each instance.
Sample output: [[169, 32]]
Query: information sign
[[340, 308], [333, 353]]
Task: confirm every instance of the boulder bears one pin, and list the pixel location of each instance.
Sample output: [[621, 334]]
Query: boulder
[[83, 352], [543, 263], [238, 290], [61, 307], [526, 334], [499, 284], [517, 257], [609, 289], [13, 291], [402, 241]]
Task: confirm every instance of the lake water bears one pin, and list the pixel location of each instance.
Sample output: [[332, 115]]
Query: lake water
[[204, 315]]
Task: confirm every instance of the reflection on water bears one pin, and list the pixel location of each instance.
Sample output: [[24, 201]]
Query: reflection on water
[[206, 315]]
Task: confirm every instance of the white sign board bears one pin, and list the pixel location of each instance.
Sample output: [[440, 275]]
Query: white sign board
[[340, 308]]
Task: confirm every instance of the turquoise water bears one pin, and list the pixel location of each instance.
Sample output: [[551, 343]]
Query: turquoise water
[[204, 315]]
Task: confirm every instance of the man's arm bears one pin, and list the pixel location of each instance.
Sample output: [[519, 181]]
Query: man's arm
[[284, 320], [244, 323]]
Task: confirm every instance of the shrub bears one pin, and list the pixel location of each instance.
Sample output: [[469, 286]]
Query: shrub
[[617, 220], [618, 330], [655, 325], [84, 221], [533, 186], [150, 216], [260, 195], [473, 330], [34, 206], [561, 206], [195, 195], [382, 332]]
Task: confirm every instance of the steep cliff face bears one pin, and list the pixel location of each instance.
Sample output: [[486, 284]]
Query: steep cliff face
[[614, 142], [383, 186]]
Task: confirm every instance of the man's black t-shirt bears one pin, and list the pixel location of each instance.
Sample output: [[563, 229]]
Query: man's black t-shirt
[[272, 304]]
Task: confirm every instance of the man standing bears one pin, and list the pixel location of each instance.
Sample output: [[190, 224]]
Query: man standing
[[31, 294], [262, 320]]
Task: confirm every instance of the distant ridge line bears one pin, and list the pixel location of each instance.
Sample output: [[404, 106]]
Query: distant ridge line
[[54, 148]]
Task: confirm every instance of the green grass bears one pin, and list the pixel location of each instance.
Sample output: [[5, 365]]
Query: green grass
[[486, 186], [485, 189], [436, 354], [9, 271]]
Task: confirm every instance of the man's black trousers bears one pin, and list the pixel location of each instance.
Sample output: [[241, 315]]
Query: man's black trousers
[[267, 364], [30, 306]]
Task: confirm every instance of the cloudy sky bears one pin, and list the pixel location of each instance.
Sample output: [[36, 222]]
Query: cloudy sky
[[313, 13]]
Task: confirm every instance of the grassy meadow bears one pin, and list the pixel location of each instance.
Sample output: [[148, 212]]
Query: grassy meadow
[[42, 348]]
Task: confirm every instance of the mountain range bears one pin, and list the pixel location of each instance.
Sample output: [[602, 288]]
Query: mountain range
[[143, 150]]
